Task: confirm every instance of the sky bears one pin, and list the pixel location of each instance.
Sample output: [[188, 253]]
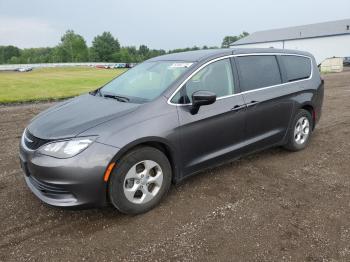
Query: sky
[[159, 24]]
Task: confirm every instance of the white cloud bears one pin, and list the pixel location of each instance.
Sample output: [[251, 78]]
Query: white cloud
[[27, 32]]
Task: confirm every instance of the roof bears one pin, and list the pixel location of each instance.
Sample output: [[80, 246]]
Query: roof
[[195, 56], [192, 56], [332, 28]]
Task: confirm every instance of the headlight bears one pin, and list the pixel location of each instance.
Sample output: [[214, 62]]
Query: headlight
[[66, 148]]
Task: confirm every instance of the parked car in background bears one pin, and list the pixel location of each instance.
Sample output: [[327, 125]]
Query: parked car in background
[[24, 69], [120, 65], [166, 119], [347, 61], [104, 66]]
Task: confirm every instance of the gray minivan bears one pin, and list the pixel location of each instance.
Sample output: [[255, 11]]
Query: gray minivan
[[166, 119]]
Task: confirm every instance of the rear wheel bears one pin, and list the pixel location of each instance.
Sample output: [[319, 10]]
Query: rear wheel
[[140, 180], [300, 133]]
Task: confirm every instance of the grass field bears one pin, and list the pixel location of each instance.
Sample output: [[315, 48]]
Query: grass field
[[52, 83]]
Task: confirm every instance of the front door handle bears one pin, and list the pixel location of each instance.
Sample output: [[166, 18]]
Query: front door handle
[[237, 107], [253, 103]]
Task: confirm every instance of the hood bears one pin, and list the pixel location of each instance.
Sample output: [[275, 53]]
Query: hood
[[69, 119]]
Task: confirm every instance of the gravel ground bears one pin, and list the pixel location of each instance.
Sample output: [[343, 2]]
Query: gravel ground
[[270, 206]]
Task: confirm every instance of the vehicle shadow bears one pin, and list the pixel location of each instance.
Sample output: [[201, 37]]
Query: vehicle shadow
[[202, 177]]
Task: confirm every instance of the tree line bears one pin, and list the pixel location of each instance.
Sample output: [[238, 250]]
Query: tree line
[[105, 48]]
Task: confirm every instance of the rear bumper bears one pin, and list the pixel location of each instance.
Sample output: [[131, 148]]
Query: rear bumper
[[72, 182]]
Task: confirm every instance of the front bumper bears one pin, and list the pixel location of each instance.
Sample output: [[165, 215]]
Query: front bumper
[[71, 182]]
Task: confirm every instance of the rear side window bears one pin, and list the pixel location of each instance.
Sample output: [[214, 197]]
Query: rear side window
[[258, 72], [297, 67]]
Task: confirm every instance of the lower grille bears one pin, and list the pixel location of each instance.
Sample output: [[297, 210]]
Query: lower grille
[[47, 188]]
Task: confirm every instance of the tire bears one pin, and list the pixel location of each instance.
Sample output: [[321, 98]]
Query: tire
[[140, 180], [298, 138]]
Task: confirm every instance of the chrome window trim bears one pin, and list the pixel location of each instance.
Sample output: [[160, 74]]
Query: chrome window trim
[[245, 92]]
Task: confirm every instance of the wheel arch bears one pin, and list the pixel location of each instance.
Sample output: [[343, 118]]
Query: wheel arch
[[155, 142], [308, 107]]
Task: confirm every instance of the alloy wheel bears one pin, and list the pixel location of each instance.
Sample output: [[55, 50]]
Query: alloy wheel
[[302, 130], [143, 182]]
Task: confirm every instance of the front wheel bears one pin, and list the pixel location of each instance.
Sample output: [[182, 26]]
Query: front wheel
[[140, 180], [300, 133]]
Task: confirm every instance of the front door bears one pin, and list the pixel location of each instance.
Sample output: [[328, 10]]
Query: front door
[[216, 132]]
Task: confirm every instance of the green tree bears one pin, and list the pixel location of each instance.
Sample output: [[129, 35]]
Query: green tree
[[155, 52], [93, 57], [36, 55], [125, 55], [228, 40], [144, 51], [14, 60], [72, 48], [104, 46], [8, 52]]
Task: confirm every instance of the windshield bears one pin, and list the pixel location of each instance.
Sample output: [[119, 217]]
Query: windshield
[[145, 82]]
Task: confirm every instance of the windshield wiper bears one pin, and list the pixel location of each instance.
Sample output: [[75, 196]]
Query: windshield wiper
[[116, 97]]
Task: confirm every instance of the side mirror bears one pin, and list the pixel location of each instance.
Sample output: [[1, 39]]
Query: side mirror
[[201, 98]]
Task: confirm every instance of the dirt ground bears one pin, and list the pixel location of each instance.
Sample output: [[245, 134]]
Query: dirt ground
[[270, 206]]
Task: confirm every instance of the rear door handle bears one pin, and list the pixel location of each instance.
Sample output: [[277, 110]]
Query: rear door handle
[[238, 107], [252, 103]]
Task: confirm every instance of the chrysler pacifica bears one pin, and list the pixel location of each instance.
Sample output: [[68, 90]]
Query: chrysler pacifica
[[166, 119]]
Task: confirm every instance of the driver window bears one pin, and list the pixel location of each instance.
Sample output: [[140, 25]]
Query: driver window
[[215, 77]]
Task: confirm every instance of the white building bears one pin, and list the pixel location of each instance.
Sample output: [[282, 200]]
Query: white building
[[323, 40]]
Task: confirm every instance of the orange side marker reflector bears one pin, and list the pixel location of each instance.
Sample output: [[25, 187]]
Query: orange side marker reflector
[[108, 171]]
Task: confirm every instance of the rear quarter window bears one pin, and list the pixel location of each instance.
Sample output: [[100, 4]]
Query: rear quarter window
[[297, 67], [258, 71]]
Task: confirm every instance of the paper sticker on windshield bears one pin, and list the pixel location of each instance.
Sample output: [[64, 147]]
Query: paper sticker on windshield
[[181, 65]]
